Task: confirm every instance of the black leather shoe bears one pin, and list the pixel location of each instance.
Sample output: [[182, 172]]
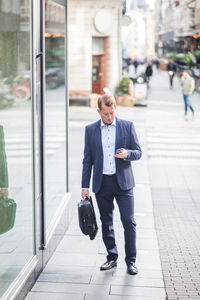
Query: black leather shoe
[[132, 269], [109, 264]]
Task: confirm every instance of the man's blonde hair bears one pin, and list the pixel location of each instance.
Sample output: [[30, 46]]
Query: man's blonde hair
[[106, 99]]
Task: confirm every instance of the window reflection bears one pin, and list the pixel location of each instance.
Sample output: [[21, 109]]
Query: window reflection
[[55, 111], [16, 210], [7, 206]]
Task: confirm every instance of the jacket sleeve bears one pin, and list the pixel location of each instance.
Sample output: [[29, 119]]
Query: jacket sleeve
[[87, 162], [192, 85], [135, 152]]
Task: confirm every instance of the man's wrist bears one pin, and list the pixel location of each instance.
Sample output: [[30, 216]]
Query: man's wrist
[[126, 154]]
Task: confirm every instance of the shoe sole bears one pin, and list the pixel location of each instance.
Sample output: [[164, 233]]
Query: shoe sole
[[102, 269]]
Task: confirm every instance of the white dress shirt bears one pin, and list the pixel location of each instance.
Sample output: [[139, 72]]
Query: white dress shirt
[[108, 136]]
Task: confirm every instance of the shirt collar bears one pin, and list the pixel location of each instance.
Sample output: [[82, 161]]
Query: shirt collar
[[112, 124]]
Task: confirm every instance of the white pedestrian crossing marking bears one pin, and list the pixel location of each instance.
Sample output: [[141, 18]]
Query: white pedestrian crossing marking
[[173, 143], [20, 144]]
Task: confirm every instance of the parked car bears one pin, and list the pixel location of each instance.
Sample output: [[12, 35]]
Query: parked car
[[55, 77]]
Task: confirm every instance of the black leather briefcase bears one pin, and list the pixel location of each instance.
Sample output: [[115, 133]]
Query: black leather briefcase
[[87, 218]]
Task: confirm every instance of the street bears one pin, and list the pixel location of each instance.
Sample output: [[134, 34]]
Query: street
[[166, 210], [57, 57], [167, 193], [172, 147]]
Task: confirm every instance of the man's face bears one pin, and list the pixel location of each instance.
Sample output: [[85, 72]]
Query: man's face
[[185, 74], [107, 113]]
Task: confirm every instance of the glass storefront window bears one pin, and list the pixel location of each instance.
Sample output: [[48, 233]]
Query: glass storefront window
[[55, 108], [16, 203]]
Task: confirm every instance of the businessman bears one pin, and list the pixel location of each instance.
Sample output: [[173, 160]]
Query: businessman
[[110, 146]]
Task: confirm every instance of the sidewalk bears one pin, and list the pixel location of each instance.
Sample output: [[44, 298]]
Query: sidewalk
[[73, 271], [174, 172]]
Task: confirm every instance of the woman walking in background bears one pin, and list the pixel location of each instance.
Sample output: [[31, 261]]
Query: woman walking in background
[[188, 85]]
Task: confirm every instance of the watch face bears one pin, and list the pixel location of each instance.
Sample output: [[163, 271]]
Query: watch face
[[103, 21]]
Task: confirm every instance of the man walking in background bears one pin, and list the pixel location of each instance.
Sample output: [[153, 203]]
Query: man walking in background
[[171, 68], [148, 73], [188, 86], [110, 146]]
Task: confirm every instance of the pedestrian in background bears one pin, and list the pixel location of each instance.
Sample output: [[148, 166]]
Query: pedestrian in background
[[188, 85], [148, 73], [110, 146], [157, 63], [171, 68], [135, 63]]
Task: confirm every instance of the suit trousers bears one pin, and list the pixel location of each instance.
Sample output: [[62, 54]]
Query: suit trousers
[[105, 198]]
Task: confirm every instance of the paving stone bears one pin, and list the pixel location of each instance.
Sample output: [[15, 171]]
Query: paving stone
[[144, 273], [53, 287], [118, 297], [129, 280], [69, 259], [80, 245], [72, 277], [145, 204], [53, 296], [137, 291]]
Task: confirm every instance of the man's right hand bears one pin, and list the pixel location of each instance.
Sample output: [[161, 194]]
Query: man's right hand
[[85, 193]]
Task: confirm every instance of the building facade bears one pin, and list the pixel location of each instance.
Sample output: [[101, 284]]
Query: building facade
[[138, 37], [94, 46], [134, 36], [197, 16], [177, 26], [150, 34], [33, 139]]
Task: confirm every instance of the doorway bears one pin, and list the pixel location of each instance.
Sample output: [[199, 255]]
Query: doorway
[[98, 65]]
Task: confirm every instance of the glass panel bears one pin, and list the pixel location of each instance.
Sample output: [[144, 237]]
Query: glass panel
[[97, 46], [55, 107], [95, 68], [16, 210]]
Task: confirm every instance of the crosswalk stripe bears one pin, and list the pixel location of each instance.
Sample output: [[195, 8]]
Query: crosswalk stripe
[[20, 145], [29, 146], [173, 154], [176, 141], [173, 143], [170, 147], [27, 153]]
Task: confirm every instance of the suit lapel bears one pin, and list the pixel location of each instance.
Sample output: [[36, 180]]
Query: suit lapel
[[118, 134], [98, 137]]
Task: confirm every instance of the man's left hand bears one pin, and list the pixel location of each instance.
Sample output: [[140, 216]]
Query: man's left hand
[[122, 154]]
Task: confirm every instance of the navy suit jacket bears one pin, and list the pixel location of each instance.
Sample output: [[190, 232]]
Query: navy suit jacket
[[93, 155]]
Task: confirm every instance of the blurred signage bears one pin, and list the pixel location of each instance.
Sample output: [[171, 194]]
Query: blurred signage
[[103, 21], [126, 20]]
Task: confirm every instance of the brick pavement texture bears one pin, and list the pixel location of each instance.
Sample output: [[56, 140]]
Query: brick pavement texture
[[174, 172], [178, 237]]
